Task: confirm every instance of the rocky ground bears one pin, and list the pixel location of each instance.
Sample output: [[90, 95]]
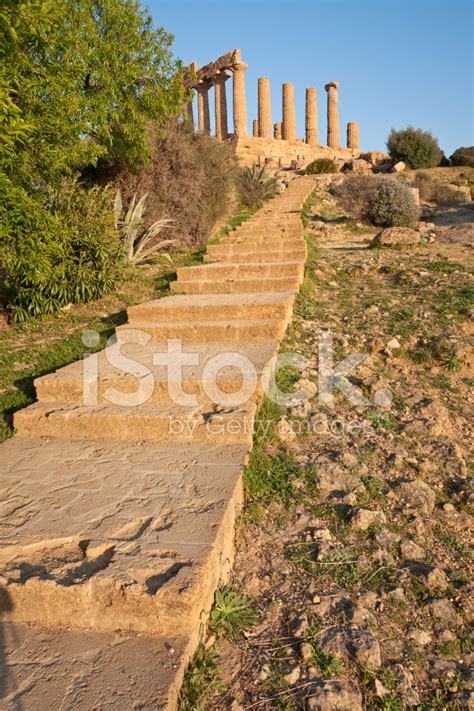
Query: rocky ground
[[354, 549]]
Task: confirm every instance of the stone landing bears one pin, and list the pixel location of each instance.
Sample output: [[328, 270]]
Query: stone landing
[[116, 526]]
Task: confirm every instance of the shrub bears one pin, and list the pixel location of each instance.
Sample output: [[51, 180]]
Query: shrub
[[354, 194], [463, 156], [255, 186], [417, 148], [393, 205], [451, 195], [191, 178], [386, 202], [56, 248], [321, 165], [425, 184]]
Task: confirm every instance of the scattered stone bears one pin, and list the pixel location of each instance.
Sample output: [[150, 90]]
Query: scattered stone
[[378, 688], [306, 651], [445, 611], [363, 519], [292, 676], [418, 495], [396, 236], [412, 551], [352, 643], [433, 578], [420, 637], [393, 344], [337, 695], [398, 167], [300, 626], [285, 431]]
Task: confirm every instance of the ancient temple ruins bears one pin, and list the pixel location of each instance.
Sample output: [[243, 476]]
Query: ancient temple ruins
[[270, 142]]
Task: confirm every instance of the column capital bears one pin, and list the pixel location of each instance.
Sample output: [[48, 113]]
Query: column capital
[[239, 67], [332, 85], [220, 77], [203, 85]]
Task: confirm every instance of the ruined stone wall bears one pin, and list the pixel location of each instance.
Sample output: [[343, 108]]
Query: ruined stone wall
[[252, 150]]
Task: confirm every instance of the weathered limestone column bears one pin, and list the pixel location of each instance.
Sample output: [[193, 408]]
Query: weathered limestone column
[[334, 140], [289, 120], [255, 128], [240, 105], [311, 117], [204, 120], [264, 108], [277, 132], [353, 135], [220, 102]]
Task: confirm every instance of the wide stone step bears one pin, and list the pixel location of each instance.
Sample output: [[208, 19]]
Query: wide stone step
[[238, 286], [116, 535], [213, 308], [261, 270], [244, 330], [127, 374], [246, 247], [141, 423], [257, 256]]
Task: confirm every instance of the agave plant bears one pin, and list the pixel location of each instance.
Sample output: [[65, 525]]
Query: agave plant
[[256, 186], [135, 240]]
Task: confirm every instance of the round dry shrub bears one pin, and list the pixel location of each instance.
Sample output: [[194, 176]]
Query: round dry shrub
[[463, 156], [354, 194], [393, 205], [415, 147], [321, 165], [425, 184]]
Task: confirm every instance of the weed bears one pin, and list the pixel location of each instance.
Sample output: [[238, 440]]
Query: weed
[[270, 477], [328, 664], [231, 614], [201, 680], [381, 420], [452, 363]]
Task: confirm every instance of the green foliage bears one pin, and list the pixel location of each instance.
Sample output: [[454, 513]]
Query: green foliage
[[270, 477], [80, 81], [385, 202], [56, 248], [393, 204], [136, 241], [255, 186], [463, 156], [231, 614], [417, 148], [200, 681], [328, 664], [321, 165]]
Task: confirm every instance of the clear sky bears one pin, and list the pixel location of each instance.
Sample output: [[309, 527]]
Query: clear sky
[[398, 62]]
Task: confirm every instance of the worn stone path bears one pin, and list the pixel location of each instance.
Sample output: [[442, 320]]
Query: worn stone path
[[117, 517]]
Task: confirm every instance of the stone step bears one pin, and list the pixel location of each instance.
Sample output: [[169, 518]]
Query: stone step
[[262, 270], [238, 286], [116, 536], [257, 246], [247, 331], [264, 240], [115, 374], [148, 423], [211, 307], [224, 255]]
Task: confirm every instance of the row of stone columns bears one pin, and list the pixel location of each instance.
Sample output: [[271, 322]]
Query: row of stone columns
[[263, 127]]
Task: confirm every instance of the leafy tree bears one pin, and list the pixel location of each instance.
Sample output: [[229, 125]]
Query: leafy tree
[[463, 156], [417, 148]]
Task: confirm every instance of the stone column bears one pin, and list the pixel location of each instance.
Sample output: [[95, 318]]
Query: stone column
[[277, 132], [353, 135], [255, 128], [311, 117], [334, 140], [220, 102], [204, 120], [264, 108], [240, 105], [289, 121]]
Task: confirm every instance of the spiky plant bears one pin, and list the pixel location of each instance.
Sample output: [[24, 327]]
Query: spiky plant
[[255, 186], [135, 240], [232, 613]]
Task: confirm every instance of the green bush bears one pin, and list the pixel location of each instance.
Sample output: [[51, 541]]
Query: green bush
[[385, 202], [255, 186], [56, 248], [393, 205], [321, 165], [415, 147], [463, 156]]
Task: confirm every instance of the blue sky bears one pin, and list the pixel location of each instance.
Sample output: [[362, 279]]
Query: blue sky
[[398, 62]]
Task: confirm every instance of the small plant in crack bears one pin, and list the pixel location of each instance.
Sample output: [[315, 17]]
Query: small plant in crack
[[233, 612], [201, 680]]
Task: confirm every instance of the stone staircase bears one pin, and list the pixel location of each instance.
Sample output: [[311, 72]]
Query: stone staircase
[[117, 511]]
